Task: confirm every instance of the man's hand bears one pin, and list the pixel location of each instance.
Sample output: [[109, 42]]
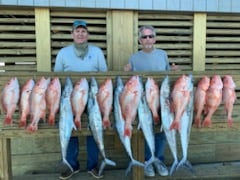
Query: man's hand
[[175, 67], [127, 67]]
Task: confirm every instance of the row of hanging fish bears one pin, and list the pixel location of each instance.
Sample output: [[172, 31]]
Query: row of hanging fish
[[209, 94], [36, 99], [127, 101]]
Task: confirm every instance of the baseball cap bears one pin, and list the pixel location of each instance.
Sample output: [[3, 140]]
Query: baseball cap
[[80, 23]]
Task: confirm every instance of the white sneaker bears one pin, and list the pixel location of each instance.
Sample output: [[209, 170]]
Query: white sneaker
[[149, 171], [161, 169]]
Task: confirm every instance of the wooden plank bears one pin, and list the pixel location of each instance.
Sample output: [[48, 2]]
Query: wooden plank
[[122, 38], [43, 43], [5, 159], [199, 41], [109, 45]]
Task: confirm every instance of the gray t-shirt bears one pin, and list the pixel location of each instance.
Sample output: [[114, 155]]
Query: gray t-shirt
[[157, 60], [68, 61]]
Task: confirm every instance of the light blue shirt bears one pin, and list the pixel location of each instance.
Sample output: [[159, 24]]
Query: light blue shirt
[[157, 60], [68, 61]]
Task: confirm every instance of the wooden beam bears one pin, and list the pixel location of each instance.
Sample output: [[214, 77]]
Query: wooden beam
[[5, 159], [199, 41], [122, 38], [43, 39], [109, 33]]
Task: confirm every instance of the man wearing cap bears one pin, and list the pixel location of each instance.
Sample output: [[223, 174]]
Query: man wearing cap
[[80, 56]]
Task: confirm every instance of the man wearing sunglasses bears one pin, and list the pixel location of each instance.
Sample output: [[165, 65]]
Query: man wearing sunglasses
[[151, 59], [80, 56]]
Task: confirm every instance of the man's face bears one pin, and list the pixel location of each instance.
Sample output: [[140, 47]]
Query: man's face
[[80, 35], [147, 40]]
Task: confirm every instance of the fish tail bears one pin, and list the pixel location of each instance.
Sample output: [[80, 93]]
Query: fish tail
[[150, 161], [22, 123], [104, 163], [77, 123], [229, 122], [106, 123], [32, 128], [197, 121], [175, 125], [127, 132], [8, 120], [186, 164], [65, 162], [110, 162], [156, 119], [133, 163], [102, 166], [207, 122], [173, 167], [51, 120]]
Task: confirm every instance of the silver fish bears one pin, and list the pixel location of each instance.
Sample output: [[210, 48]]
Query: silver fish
[[95, 122], [167, 119], [66, 123], [120, 124], [185, 127], [146, 124]]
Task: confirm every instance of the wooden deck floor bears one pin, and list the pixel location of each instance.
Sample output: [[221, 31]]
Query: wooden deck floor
[[223, 171]]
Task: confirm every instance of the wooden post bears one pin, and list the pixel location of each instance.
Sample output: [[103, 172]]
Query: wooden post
[[138, 153], [199, 41], [43, 39], [5, 159], [122, 38]]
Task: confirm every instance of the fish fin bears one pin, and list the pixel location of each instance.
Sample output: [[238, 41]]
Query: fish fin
[[230, 122], [106, 123], [51, 120], [150, 161], [32, 128], [104, 163], [197, 122], [139, 126], [128, 132], [156, 119], [186, 164], [102, 166], [77, 124], [8, 120], [133, 163], [175, 125], [65, 162], [22, 123], [173, 167], [207, 122]]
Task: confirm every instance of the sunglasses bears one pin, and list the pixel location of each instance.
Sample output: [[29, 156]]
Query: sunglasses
[[147, 36]]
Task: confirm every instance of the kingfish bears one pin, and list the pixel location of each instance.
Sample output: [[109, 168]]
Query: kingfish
[[167, 119], [95, 122], [66, 123], [120, 124], [185, 126], [145, 118]]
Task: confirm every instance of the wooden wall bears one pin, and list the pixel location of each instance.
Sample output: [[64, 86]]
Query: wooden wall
[[30, 39]]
